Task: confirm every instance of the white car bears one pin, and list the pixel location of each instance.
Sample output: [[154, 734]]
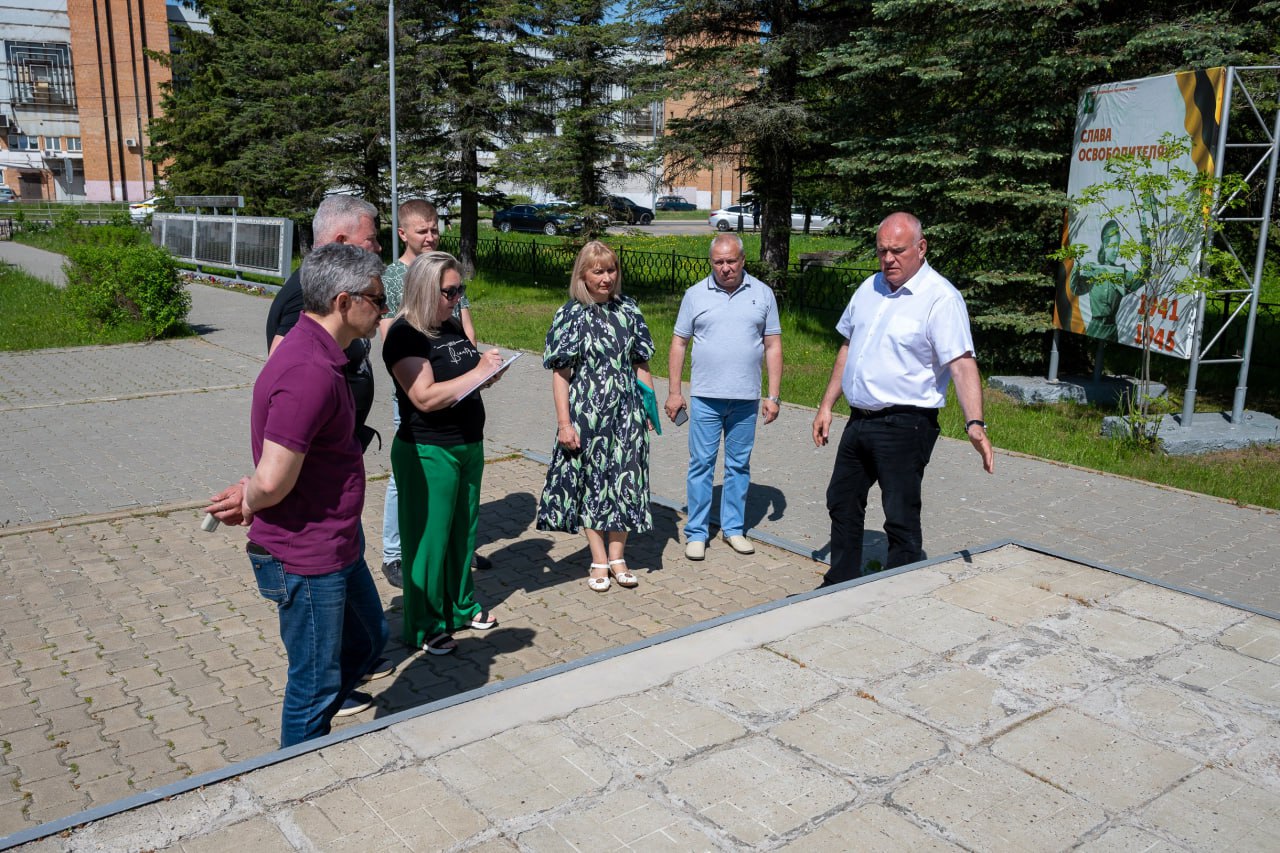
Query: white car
[[139, 211], [726, 219]]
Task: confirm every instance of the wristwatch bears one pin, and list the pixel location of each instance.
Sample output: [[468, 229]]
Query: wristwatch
[[968, 424], [777, 401]]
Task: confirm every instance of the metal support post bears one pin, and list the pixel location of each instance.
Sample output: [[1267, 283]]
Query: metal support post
[[1237, 404]]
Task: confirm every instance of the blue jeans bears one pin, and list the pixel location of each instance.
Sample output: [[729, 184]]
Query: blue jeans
[[709, 419], [390, 509], [333, 630]]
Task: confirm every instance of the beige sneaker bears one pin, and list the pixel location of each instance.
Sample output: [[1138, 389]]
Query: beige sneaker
[[695, 550], [741, 544]]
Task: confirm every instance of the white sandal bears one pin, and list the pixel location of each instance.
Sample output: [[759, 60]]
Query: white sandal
[[624, 577], [598, 584]]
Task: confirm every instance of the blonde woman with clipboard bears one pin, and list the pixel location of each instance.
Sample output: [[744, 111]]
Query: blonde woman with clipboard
[[438, 452]]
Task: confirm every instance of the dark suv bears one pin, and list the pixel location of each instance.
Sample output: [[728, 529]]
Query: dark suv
[[623, 209], [674, 202]]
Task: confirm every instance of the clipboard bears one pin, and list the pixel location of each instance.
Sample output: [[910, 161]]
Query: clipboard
[[484, 379]]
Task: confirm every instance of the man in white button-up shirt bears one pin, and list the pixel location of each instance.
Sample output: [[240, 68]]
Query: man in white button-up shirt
[[907, 337]]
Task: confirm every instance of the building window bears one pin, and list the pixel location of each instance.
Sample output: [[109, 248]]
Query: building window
[[40, 74], [53, 143], [73, 143], [22, 142]]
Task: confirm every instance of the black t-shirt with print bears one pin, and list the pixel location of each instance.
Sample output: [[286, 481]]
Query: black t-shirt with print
[[450, 355]]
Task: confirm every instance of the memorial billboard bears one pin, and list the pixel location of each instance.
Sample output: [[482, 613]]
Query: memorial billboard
[[1102, 294]]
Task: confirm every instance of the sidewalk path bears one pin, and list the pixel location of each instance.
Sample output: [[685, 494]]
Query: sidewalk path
[[37, 262], [134, 650]]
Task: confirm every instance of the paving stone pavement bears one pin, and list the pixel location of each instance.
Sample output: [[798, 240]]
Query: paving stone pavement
[[134, 650], [138, 651]]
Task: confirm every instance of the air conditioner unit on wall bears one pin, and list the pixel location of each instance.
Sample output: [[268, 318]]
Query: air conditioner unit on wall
[[130, 142]]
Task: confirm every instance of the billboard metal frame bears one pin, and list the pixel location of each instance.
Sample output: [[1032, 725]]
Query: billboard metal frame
[[1260, 173]]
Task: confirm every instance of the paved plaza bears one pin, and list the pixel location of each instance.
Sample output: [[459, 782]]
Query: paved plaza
[[1097, 709]]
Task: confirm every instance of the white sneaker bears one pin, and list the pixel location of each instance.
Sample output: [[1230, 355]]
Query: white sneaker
[[695, 550], [741, 544]]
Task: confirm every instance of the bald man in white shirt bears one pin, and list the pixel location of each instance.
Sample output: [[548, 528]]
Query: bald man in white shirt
[[907, 337]]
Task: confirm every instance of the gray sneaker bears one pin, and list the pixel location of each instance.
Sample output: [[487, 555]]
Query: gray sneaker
[[391, 571]]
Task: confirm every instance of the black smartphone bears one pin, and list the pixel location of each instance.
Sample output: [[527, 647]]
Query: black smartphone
[[682, 417]]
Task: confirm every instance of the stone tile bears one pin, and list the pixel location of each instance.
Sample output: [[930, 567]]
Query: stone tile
[[850, 650], [757, 686], [1225, 674], [1100, 764], [1128, 839], [1190, 721], [1190, 615], [859, 738], [966, 704], [985, 804], [655, 729], [741, 790], [931, 623], [1219, 811], [1115, 634], [341, 819], [259, 835], [625, 820], [1042, 662], [1257, 637], [422, 812], [524, 771], [870, 829], [1011, 599], [295, 779]]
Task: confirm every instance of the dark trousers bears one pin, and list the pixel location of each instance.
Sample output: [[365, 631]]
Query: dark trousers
[[893, 450]]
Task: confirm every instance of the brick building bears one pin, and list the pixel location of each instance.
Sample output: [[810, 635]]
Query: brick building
[[77, 94]]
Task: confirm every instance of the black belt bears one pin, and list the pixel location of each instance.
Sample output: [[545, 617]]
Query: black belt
[[864, 414]]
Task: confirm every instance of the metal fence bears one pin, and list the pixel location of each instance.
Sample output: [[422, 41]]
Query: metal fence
[[813, 286]]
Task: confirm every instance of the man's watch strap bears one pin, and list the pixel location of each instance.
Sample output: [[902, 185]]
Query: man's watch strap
[[777, 401], [968, 424]]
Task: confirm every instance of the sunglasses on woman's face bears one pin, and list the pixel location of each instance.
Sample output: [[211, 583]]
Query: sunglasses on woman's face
[[453, 292]]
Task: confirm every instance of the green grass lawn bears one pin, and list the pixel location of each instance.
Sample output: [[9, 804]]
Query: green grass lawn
[[33, 315], [515, 314]]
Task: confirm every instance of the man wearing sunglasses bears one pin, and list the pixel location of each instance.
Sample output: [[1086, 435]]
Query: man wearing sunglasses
[[305, 497], [352, 221]]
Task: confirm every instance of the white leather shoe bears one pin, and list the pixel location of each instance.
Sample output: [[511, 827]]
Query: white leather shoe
[[741, 544], [695, 550]]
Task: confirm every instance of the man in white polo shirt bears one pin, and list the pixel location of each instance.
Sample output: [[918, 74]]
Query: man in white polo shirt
[[907, 337], [732, 318]]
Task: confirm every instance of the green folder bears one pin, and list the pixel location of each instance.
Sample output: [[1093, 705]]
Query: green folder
[[649, 401]]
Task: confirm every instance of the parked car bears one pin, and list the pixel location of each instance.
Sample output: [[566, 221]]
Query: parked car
[[140, 211], [547, 219], [623, 209], [8, 196], [673, 202], [726, 219]]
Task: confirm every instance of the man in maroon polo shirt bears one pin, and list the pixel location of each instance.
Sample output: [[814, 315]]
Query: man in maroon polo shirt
[[304, 500]]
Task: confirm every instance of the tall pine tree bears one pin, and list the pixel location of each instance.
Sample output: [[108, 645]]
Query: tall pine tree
[[963, 114]]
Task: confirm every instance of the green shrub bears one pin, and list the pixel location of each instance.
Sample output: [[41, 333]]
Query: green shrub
[[67, 217], [112, 284]]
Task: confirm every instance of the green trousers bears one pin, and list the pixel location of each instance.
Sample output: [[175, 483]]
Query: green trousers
[[439, 502]]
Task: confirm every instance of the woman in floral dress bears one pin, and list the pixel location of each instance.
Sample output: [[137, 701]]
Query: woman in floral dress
[[598, 348]]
